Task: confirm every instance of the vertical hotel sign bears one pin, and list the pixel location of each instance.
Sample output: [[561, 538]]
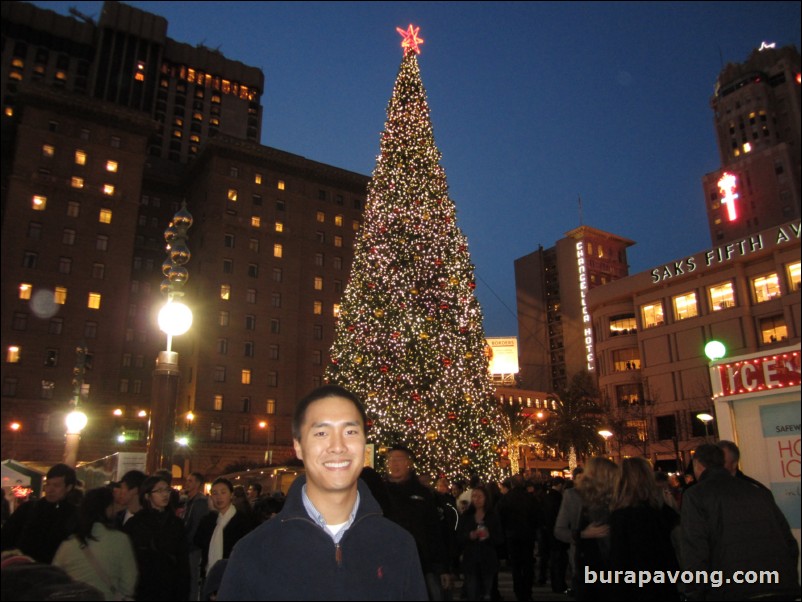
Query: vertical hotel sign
[[587, 329]]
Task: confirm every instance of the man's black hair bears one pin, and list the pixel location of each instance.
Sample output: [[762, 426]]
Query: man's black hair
[[322, 393], [257, 487], [709, 456], [199, 476], [134, 479], [731, 447], [402, 448], [62, 470]]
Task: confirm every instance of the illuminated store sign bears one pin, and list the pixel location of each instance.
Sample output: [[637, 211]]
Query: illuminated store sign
[[728, 187], [726, 253], [771, 371], [583, 289]]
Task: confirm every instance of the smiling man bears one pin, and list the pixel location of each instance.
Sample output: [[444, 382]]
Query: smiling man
[[330, 541]]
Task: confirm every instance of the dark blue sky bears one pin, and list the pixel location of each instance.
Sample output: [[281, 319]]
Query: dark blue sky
[[533, 104]]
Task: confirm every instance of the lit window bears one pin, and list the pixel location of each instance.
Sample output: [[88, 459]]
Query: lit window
[[318, 283], [317, 308], [139, 74], [257, 178], [766, 287], [685, 306], [338, 220], [278, 250], [321, 217], [793, 270], [12, 354], [246, 377], [256, 221], [94, 301], [218, 403], [335, 310], [747, 147], [279, 227], [355, 225], [25, 290], [280, 184], [60, 295], [80, 157], [76, 182], [105, 216], [48, 150], [232, 194], [722, 296], [623, 324], [652, 314], [271, 406], [39, 202], [338, 241], [112, 166], [773, 330], [225, 291], [108, 189]]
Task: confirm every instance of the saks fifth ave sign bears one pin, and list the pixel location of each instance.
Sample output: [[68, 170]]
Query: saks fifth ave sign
[[718, 255]]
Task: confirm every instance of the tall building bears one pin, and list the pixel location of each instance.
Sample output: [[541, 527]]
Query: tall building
[[756, 108], [107, 129], [554, 326], [651, 329]]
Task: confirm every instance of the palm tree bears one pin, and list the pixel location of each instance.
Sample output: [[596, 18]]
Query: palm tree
[[519, 429], [576, 419]]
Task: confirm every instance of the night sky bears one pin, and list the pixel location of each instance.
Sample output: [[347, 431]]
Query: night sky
[[533, 105]]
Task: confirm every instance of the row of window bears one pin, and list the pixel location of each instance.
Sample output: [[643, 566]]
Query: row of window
[[721, 296], [80, 157], [270, 404], [59, 294]]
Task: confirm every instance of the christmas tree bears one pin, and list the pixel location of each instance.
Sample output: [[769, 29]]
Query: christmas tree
[[409, 339]]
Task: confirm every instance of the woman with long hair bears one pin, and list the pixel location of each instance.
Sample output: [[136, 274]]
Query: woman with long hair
[[641, 524], [160, 544], [97, 553], [592, 537], [480, 534], [218, 531]]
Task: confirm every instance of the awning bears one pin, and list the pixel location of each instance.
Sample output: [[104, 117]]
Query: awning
[[15, 473]]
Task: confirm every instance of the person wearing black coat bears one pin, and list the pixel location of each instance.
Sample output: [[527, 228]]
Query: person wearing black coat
[[160, 545], [233, 526], [481, 533]]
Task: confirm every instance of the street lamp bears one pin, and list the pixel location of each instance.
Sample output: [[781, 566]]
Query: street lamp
[[15, 427], [707, 419], [268, 454], [175, 319], [76, 420], [606, 434]]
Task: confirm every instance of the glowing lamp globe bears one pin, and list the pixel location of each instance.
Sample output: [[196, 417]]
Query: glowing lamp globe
[[715, 350], [76, 421], [175, 318]]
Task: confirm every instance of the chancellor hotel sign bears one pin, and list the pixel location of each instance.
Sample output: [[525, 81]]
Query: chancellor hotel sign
[[725, 253]]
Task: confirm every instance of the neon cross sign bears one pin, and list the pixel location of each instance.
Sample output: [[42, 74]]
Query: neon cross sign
[[728, 186]]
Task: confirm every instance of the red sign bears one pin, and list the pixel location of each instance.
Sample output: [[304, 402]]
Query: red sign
[[760, 374]]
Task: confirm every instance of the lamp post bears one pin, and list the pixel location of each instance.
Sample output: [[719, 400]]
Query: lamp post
[[15, 427], [707, 419], [175, 319], [268, 454], [606, 434], [76, 420]]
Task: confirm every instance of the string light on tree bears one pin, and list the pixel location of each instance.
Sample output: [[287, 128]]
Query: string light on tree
[[409, 339]]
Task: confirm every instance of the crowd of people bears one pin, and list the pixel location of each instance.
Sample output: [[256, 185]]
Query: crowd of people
[[347, 532]]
